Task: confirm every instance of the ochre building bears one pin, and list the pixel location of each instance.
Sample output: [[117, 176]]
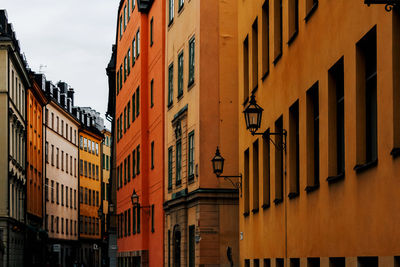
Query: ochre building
[[139, 132], [326, 73], [201, 210]]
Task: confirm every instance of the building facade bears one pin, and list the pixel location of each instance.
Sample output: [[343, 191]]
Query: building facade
[[326, 74], [90, 139], [36, 99], [105, 184], [14, 81], [61, 183], [139, 136], [201, 210]]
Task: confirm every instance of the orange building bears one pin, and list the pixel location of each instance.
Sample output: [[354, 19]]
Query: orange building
[[36, 99], [90, 139], [140, 125]]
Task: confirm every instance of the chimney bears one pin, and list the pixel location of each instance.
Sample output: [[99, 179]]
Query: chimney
[[56, 94], [63, 87], [63, 100], [71, 93], [69, 106]]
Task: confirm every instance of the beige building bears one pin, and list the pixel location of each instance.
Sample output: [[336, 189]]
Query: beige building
[[106, 166], [14, 82], [62, 177], [201, 97]]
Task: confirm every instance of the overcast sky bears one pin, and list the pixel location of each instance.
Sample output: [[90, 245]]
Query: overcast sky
[[71, 39]]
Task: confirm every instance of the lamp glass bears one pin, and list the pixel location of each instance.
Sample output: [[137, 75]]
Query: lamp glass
[[218, 163], [134, 198], [253, 115]]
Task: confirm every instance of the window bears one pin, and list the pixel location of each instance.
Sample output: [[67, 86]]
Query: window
[[120, 77], [66, 162], [128, 213], [311, 6], [138, 160], [170, 84], [124, 119], [312, 138], [191, 156], [267, 263], [337, 262], [47, 152], [120, 27], [336, 121], [151, 31], [62, 160], [180, 6], [137, 43], [178, 162], [137, 102], [368, 261], [52, 191], [246, 184], [128, 63], [294, 152], [125, 68], [85, 144], [171, 11], [138, 219], [266, 173], [293, 19], [128, 161], [57, 193], [66, 196], [366, 94], [278, 163], [180, 74], [46, 189], [279, 262], [133, 164], [256, 263], [152, 155], [152, 93], [191, 61], [52, 155], [134, 220], [125, 165], [62, 195], [66, 226], [255, 54], [192, 246], [133, 51], [152, 218], [277, 30], [57, 158], [90, 169], [256, 184], [128, 112], [128, 11], [314, 262], [294, 262], [170, 156], [133, 5], [133, 107], [246, 69]]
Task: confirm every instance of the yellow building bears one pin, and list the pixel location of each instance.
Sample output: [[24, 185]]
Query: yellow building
[[326, 74], [90, 139]]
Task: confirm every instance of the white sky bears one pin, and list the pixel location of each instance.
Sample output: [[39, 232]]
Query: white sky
[[72, 38]]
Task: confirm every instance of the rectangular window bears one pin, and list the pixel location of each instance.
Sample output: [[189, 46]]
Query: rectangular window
[[255, 54], [57, 193], [180, 74], [151, 31], [57, 158], [129, 222], [368, 262], [337, 262], [137, 43], [256, 263], [133, 5], [192, 246], [278, 163], [133, 51], [366, 98], [315, 262], [311, 6], [125, 68], [246, 183], [170, 84], [191, 61], [152, 155], [294, 152], [152, 93], [170, 158], [178, 162], [52, 191], [133, 107], [46, 189], [128, 161], [336, 121], [47, 152], [293, 20], [128, 63], [279, 262], [66, 196], [169, 248], [313, 137], [133, 164], [180, 6], [256, 184], [191, 156], [265, 39], [138, 160], [294, 262], [267, 263], [124, 119], [171, 11], [120, 77], [277, 30], [125, 17], [246, 69], [52, 155], [152, 218], [266, 173], [138, 220], [137, 101]]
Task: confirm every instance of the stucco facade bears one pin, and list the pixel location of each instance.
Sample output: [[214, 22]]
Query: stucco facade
[[327, 73], [201, 100]]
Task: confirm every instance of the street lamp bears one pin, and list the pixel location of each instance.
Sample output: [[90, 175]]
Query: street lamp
[[253, 114], [135, 201], [389, 4], [218, 169], [100, 212]]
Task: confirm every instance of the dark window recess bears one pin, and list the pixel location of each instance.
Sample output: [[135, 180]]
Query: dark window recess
[[294, 155], [265, 39], [246, 69], [277, 30], [337, 262], [295, 262], [192, 246], [368, 261], [279, 262], [255, 54], [313, 262], [278, 163]]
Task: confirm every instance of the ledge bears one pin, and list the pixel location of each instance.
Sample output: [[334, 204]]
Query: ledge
[[336, 178], [359, 168], [293, 195], [311, 188]]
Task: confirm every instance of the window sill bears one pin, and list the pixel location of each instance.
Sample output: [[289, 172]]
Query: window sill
[[265, 75], [278, 201], [169, 106], [254, 211], [311, 188], [190, 84], [293, 37], [180, 9], [359, 168], [395, 152], [293, 195], [246, 214], [265, 206], [336, 178], [170, 22], [277, 58], [179, 97], [254, 89], [311, 12]]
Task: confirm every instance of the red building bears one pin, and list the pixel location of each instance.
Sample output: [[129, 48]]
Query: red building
[[139, 124]]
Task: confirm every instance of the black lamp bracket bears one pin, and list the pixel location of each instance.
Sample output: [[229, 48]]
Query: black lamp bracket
[[389, 4], [236, 184], [267, 135]]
